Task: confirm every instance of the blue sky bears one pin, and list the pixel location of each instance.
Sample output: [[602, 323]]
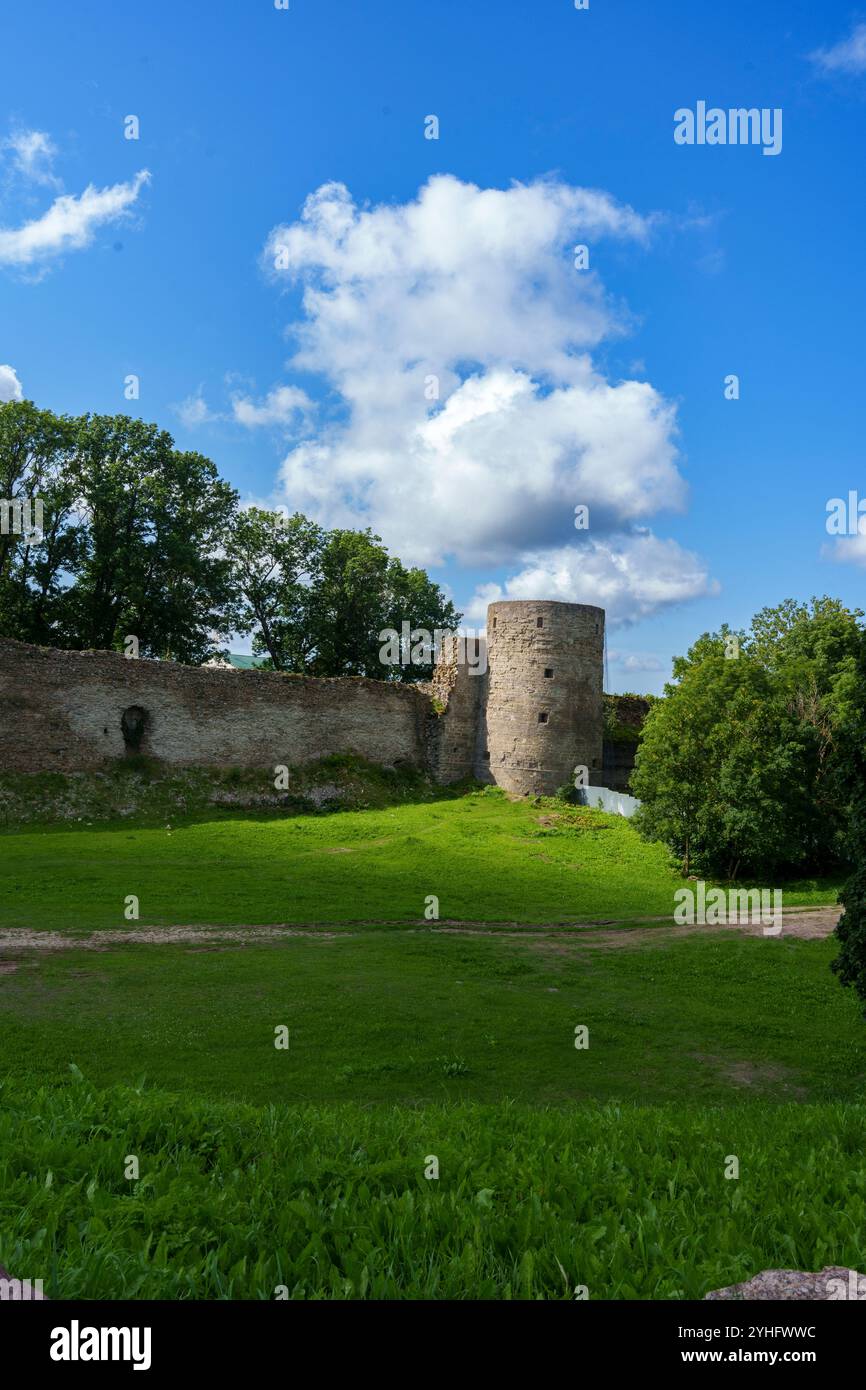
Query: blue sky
[[556, 386]]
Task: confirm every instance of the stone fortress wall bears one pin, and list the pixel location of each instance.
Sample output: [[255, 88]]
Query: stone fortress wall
[[537, 714], [65, 712], [525, 724]]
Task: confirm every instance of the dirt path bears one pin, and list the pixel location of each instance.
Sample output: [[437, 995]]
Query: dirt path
[[811, 924], [805, 923]]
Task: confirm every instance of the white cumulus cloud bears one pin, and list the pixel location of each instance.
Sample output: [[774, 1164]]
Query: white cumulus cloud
[[635, 661], [31, 154], [69, 224], [194, 411], [849, 55], [10, 386], [847, 550], [630, 576], [457, 337], [281, 406]]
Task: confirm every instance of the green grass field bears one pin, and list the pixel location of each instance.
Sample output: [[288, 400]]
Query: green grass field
[[485, 857], [332, 1201], [425, 1017], [265, 1170]]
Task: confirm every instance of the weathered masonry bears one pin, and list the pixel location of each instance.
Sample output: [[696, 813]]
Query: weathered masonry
[[537, 714], [627, 714], [525, 724], [77, 711]]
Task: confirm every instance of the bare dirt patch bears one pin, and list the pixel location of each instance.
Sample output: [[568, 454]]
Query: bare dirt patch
[[805, 923], [754, 1075], [21, 939]]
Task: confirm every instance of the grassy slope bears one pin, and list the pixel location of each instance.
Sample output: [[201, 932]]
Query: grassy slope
[[332, 1202], [486, 858]]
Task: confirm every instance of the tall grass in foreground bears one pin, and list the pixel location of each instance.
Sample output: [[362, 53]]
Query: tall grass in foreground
[[332, 1202]]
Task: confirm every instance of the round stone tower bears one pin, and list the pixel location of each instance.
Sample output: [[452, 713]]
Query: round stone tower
[[544, 714]]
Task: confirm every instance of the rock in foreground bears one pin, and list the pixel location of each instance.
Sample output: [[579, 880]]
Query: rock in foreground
[[832, 1282]]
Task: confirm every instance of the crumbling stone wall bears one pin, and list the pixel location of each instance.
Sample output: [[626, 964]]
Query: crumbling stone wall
[[66, 711], [629, 711], [625, 717], [457, 729]]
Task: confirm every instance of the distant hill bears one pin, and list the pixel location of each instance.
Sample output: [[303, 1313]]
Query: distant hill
[[238, 662]]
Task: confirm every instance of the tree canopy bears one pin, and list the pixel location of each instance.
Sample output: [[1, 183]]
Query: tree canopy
[[850, 696], [317, 601], [742, 768], [140, 538]]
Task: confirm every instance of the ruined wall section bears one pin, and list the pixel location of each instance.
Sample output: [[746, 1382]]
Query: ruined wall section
[[64, 711], [544, 701], [458, 695], [625, 715]]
